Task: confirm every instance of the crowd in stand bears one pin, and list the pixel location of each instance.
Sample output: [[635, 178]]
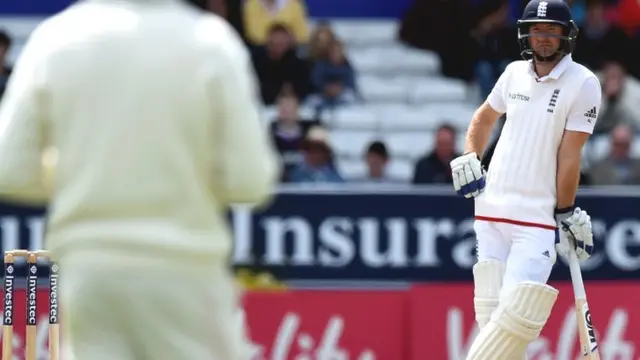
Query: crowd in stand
[[300, 66], [476, 40], [314, 71]]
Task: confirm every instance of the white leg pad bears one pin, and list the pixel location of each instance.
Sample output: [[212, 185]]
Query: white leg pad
[[519, 321], [487, 278]]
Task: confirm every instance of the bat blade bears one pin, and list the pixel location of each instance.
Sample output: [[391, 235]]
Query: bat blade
[[588, 342]]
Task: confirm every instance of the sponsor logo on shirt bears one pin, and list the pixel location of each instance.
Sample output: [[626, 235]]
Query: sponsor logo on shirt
[[516, 96], [591, 114]]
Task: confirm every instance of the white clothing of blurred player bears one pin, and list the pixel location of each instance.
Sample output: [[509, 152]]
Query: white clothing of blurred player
[[551, 104], [153, 109]]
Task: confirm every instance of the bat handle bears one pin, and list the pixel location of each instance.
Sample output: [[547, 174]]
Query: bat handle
[[576, 275]]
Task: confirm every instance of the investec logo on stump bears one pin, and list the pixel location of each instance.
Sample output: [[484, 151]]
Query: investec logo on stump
[[32, 295], [53, 294], [8, 295]]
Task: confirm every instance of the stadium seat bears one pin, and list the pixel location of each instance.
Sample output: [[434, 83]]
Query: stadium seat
[[376, 89], [405, 118], [354, 117], [394, 60], [401, 169], [454, 114], [310, 113], [351, 143], [460, 138], [269, 114], [19, 29], [635, 147], [366, 32], [418, 59], [409, 144], [597, 148], [437, 90], [351, 168]]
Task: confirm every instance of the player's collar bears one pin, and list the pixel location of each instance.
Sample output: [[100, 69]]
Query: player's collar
[[557, 71]]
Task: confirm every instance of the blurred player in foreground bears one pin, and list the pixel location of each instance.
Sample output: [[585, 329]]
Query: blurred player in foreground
[[551, 105], [153, 110]]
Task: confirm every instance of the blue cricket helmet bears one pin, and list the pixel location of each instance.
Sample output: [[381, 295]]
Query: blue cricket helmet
[[547, 11]]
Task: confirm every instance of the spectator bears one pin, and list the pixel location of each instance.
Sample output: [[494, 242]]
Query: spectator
[[619, 168], [261, 15], [443, 27], [493, 58], [279, 66], [434, 168], [5, 70], [628, 14], [289, 131], [321, 40], [621, 96], [628, 19], [333, 80], [377, 158], [317, 166], [598, 40]]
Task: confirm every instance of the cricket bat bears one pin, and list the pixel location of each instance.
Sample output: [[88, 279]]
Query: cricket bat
[[588, 342]]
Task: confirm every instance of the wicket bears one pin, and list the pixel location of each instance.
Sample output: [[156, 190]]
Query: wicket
[[31, 310]]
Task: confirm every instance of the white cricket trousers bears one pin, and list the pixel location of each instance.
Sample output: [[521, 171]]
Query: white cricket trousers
[[528, 252], [114, 308]]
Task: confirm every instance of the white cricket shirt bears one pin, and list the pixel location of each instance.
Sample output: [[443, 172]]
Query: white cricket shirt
[[153, 107], [521, 179]]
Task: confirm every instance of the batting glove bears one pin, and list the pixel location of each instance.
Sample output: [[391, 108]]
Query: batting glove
[[468, 175], [574, 230]]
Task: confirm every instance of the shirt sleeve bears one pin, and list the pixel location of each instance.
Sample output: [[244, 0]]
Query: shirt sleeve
[[497, 97], [22, 128], [246, 163], [584, 112]]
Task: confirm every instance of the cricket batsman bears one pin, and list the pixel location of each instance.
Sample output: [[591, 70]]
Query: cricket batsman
[[153, 110], [551, 104]]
